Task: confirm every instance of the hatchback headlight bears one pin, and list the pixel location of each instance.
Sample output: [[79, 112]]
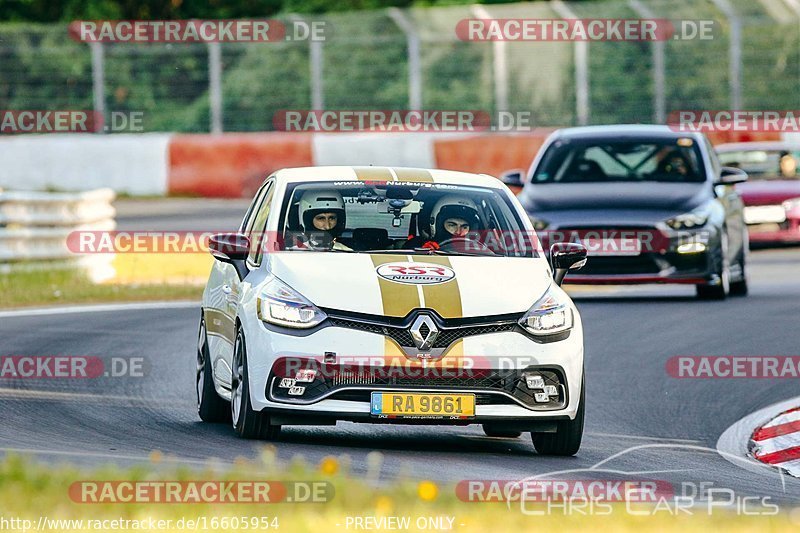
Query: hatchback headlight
[[549, 315], [693, 219], [281, 305], [791, 204]]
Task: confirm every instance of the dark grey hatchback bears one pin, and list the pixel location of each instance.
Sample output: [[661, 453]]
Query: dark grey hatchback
[[651, 205]]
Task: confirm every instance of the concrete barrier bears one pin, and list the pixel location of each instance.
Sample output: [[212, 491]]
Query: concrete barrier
[[234, 164], [126, 163], [490, 154]]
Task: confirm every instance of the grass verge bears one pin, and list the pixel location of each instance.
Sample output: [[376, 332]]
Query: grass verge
[[21, 288], [29, 491]]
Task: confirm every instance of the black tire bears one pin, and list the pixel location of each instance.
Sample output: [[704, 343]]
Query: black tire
[[247, 423], [721, 290], [210, 406], [489, 431], [569, 433], [739, 288]]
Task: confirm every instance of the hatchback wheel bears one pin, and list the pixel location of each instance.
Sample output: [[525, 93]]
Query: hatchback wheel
[[247, 423]]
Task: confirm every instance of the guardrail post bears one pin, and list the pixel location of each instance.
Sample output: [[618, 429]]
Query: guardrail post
[[414, 61], [499, 65], [317, 86], [98, 85], [659, 77], [734, 52], [581, 67], [215, 86]]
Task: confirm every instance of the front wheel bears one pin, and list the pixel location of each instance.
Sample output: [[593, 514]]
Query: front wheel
[[247, 423], [739, 288], [722, 286], [569, 433], [210, 406]]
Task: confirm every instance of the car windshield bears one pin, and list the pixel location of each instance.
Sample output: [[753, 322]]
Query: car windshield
[[764, 164], [405, 218], [639, 160]]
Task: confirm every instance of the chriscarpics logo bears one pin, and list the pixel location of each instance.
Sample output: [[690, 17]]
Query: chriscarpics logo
[[416, 273]]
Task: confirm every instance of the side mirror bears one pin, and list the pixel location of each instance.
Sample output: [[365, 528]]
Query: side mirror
[[731, 176], [512, 178], [566, 256], [231, 248]]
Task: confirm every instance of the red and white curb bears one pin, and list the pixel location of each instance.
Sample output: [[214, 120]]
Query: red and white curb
[[777, 442], [765, 441]]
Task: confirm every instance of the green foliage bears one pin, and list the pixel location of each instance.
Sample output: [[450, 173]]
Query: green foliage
[[365, 65]]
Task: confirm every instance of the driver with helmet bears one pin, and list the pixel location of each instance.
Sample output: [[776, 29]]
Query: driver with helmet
[[451, 219], [322, 218]]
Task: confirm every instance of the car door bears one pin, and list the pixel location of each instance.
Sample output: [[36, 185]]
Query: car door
[[734, 211], [224, 291]]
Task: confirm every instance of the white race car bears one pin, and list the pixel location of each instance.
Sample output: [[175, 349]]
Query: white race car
[[391, 295]]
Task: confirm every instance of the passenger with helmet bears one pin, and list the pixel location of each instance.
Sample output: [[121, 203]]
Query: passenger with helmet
[[452, 218], [322, 219]]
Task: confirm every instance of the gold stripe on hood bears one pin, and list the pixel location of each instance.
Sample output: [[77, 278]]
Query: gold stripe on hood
[[413, 175], [373, 174], [444, 298], [398, 299]]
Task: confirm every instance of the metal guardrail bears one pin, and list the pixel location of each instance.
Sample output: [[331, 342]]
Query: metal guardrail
[[34, 226]]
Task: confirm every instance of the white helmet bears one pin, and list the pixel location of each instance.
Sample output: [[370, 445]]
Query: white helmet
[[318, 201], [453, 206]]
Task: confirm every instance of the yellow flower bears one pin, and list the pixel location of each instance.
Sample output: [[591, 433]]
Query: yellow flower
[[384, 505], [329, 465], [427, 491]]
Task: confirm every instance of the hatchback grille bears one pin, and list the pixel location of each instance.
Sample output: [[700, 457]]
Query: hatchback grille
[[446, 337]]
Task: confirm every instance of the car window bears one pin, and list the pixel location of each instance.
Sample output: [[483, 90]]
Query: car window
[[258, 227], [600, 160], [247, 221], [764, 164], [408, 218]]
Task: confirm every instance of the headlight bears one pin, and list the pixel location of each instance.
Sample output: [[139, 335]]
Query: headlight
[[280, 304], [549, 315], [791, 204], [538, 223], [693, 219]]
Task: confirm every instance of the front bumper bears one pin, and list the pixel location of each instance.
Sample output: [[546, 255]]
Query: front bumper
[[785, 232], [487, 365], [664, 256]]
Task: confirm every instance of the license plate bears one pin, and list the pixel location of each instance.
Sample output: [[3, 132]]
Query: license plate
[[761, 214], [609, 246], [415, 405]]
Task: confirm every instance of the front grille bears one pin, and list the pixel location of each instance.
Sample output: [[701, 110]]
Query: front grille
[[338, 384], [639, 264], [402, 336]]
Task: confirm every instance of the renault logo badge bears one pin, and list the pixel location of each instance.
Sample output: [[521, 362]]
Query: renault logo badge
[[424, 332]]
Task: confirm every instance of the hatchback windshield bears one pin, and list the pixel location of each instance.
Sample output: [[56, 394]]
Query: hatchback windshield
[[405, 218], [599, 160], [764, 164]]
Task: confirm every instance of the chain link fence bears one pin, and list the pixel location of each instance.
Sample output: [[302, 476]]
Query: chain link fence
[[412, 59]]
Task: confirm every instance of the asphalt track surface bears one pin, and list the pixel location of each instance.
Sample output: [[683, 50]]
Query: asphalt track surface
[[663, 428]]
